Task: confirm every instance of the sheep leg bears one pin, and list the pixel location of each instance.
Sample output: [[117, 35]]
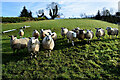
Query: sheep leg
[[31, 55], [73, 43], [68, 40], [35, 55], [89, 40], [49, 52], [46, 53]]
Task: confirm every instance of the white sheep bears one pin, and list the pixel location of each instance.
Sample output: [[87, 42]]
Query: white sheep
[[33, 46], [17, 44], [21, 33], [35, 34], [48, 43], [112, 31], [71, 36], [54, 37], [43, 32], [89, 35], [100, 32], [64, 31], [81, 34]]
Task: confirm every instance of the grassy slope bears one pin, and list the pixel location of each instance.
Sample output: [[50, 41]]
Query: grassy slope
[[100, 59]]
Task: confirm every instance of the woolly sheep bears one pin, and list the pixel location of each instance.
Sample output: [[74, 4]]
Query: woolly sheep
[[99, 32], [71, 36], [54, 37], [35, 34], [48, 43], [81, 34], [33, 46], [21, 33], [43, 32], [112, 31], [64, 31], [76, 30], [17, 44], [89, 35]]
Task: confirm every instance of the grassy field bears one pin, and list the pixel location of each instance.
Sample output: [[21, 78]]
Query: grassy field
[[98, 60]]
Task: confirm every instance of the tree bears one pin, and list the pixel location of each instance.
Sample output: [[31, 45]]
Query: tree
[[40, 13], [105, 12], [30, 14], [98, 16], [117, 13], [25, 13], [53, 9]]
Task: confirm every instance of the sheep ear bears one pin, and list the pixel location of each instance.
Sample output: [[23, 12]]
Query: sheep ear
[[29, 37], [95, 28], [15, 36], [99, 28], [45, 34], [52, 35], [49, 33]]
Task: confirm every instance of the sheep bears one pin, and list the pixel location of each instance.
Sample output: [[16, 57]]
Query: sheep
[[43, 32], [64, 31], [33, 46], [17, 44], [48, 43], [54, 37], [76, 30], [35, 34], [100, 32], [89, 35], [71, 36], [81, 34], [21, 33], [112, 31]]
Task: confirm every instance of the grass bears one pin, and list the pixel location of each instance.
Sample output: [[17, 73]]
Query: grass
[[98, 60]]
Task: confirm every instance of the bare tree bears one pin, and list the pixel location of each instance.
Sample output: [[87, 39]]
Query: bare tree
[[40, 13], [53, 9]]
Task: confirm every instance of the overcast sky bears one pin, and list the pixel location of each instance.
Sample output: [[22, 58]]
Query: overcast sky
[[69, 8]]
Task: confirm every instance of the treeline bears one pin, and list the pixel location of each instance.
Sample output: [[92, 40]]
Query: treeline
[[106, 15], [21, 19]]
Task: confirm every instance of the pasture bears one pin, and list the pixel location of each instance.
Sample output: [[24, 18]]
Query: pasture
[[98, 60]]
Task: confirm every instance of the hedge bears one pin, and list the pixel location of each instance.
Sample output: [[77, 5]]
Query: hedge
[[20, 19]]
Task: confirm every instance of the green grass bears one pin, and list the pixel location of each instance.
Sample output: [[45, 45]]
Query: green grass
[[98, 60]]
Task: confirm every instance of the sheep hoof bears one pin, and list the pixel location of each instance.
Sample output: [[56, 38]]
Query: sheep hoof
[[35, 56]]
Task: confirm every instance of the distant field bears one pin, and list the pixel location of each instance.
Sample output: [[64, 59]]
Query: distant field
[[98, 60]]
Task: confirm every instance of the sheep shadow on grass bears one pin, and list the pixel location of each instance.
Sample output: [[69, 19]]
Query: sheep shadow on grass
[[9, 56]]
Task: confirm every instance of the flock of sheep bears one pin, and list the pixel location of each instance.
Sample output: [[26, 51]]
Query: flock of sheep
[[48, 37]]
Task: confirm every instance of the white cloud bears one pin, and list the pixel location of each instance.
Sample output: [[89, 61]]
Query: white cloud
[[61, 1]]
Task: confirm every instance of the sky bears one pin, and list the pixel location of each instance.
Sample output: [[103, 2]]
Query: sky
[[69, 8]]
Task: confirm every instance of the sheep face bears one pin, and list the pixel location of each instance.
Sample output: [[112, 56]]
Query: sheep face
[[81, 31], [88, 31], [49, 37], [108, 28], [98, 30], [32, 40], [74, 35], [62, 29]]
